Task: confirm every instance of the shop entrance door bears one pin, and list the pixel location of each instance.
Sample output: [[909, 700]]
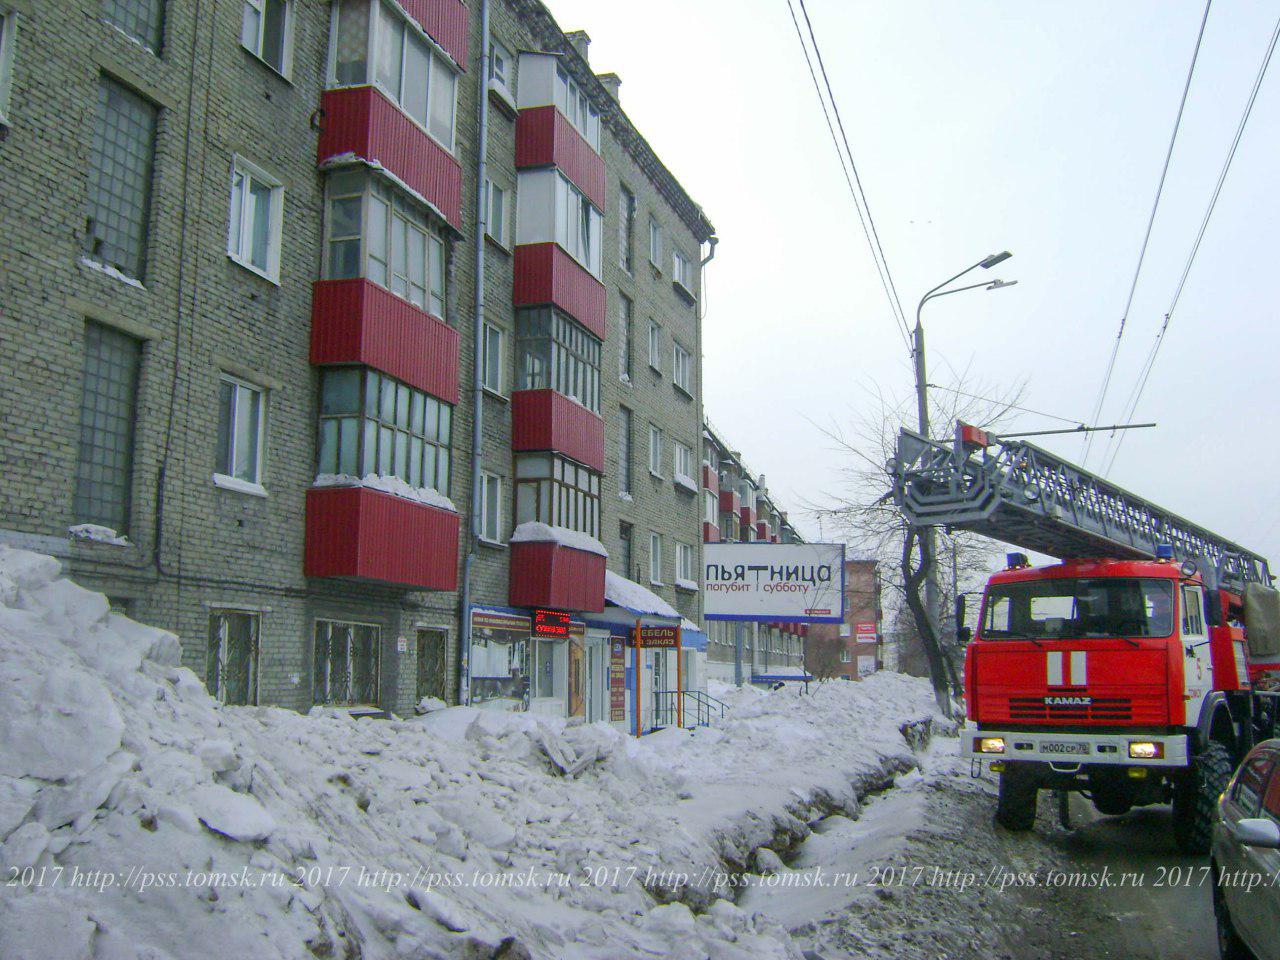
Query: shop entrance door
[[432, 663]]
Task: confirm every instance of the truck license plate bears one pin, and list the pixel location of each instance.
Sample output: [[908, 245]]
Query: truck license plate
[[1073, 748]]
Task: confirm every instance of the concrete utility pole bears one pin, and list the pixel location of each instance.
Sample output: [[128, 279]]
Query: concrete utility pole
[[928, 539]]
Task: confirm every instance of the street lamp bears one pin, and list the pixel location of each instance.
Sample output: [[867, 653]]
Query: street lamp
[[928, 543]]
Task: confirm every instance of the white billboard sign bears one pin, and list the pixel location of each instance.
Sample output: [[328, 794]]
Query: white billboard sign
[[801, 582]]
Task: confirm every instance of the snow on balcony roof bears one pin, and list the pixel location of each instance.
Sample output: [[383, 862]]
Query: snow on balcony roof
[[532, 531], [641, 601]]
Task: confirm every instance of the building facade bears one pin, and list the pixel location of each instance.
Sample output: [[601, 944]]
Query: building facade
[[342, 341], [737, 508], [859, 640]]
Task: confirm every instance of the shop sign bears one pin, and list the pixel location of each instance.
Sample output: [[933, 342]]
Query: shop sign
[[553, 624], [617, 680]]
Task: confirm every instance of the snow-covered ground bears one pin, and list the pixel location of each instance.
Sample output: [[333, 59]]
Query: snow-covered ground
[[141, 820]]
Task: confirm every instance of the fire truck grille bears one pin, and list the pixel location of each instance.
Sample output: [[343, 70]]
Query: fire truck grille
[[1114, 709]]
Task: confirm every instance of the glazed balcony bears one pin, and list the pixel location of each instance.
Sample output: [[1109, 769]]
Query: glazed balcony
[[545, 138], [362, 534], [747, 515], [360, 123], [547, 574], [710, 479], [546, 274], [710, 533], [357, 321], [730, 501], [548, 420], [446, 22]]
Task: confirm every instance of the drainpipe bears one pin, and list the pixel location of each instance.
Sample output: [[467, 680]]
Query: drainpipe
[[477, 396], [702, 300]]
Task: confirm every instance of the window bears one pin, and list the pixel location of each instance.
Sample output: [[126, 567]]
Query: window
[[846, 630], [556, 491], [1192, 613], [683, 460], [710, 507], [377, 233], [120, 179], [491, 359], [684, 562], [257, 208], [385, 50], [8, 30], [655, 345], [578, 225], [682, 270], [104, 472], [142, 20], [573, 103], [655, 450], [370, 423], [627, 534], [345, 663], [498, 201], [558, 353], [626, 227], [502, 67], [655, 558], [655, 244], [682, 369], [264, 32], [846, 656], [1075, 608], [625, 440], [491, 507], [240, 433], [1248, 790], [232, 669], [626, 313]]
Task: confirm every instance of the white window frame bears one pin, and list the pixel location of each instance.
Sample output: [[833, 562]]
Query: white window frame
[[655, 244], [8, 32], [626, 323], [655, 558], [577, 108], [626, 228], [682, 271], [655, 450], [502, 236], [237, 247], [489, 481], [579, 225], [684, 562], [229, 480], [506, 83], [286, 53], [710, 508], [655, 345], [486, 373], [683, 459], [682, 368]]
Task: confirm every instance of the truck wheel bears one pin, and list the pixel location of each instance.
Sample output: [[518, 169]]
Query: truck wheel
[[1195, 798], [1016, 807]]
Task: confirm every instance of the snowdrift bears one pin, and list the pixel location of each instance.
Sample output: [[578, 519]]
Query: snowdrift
[[142, 820]]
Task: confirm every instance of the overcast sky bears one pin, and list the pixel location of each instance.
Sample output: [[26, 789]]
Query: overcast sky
[[1035, 127]]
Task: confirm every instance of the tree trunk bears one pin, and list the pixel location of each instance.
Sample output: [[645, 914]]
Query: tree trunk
[[941, 670]]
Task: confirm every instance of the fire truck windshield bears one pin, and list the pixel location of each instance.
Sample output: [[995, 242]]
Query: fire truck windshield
[[1069, 608]]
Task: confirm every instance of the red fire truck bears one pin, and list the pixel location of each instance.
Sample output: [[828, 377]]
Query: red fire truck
[[1139, 670]]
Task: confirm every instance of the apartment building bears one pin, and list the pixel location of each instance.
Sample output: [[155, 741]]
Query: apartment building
[[360, 351], [859, 639], [737, 508]]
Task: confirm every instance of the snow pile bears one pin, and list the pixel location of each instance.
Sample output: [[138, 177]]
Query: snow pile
[[145, 820], [531, 531], [96, 533], [392, 485]]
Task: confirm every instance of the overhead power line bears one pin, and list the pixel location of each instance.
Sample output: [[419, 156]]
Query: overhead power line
[[847, 164], [1005, 403], [1145, 373], [1146, 238]]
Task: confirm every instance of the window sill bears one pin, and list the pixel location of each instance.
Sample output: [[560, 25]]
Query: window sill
[[270, 278], [656, 371], [496, 395], [279, 75], [684, 292], [493, 241], [686, 586], [679, 389], [492, 544], [657, 476], [656, 583], [626, 497], [502, 98], [237, 485], [657, 270]]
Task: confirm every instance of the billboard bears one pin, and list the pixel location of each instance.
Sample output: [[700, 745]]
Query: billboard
[[799, 582]]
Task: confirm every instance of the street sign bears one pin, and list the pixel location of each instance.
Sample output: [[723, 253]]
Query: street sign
[[797, 582]]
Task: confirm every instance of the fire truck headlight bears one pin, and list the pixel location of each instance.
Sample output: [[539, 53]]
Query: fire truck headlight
[[988, 744], [1145, 750]]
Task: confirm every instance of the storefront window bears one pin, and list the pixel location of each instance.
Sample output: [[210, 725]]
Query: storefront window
[[500, 673]]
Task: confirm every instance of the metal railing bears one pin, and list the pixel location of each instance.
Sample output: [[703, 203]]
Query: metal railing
[[699, 708]]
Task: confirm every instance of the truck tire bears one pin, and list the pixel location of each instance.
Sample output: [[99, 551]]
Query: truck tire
[[1195, 798], [1111, 803], [1016, 806]]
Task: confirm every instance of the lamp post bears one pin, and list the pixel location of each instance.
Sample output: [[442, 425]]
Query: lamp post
[[928, 542]]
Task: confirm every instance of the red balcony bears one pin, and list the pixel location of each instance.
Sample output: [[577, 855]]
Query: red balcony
[[710, 533], [729, 501], [548, 420], [710, 478], [545, 138], [357, 321], [762, 531], [446, 22], [361, 122], [545, 274], [365, 534], [746, 513], [556, 576]]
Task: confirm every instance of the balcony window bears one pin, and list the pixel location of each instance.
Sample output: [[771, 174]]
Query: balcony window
[[558, 354], [710, 507], [370, 423], [573, 103], [557, 491], [374, 44], [578, 225], [376, 232]]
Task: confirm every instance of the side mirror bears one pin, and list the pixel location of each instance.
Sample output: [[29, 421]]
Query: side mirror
[[964, 634], [1256, 832]]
